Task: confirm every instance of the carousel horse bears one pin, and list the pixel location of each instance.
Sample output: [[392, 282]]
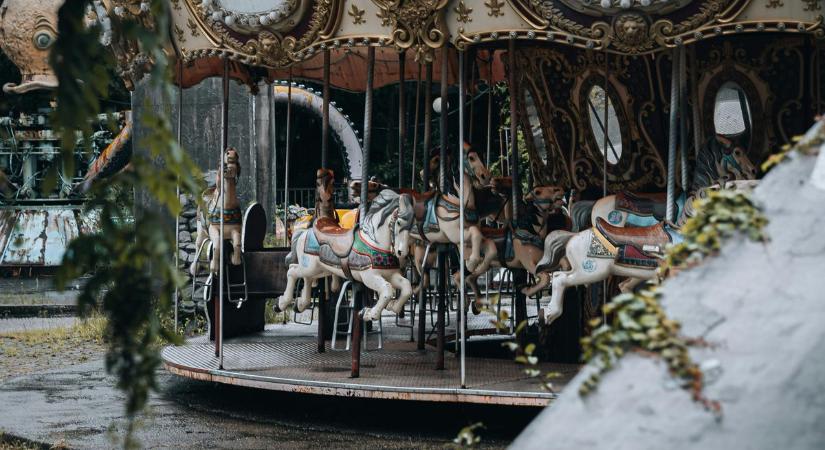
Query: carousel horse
[[437, 216], [720, 163], [596, 253], [216, 204], [371, 254], [609, 248], [520, 245]]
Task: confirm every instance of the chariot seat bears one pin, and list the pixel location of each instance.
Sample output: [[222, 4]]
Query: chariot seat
[[339, 239], [641, 237]]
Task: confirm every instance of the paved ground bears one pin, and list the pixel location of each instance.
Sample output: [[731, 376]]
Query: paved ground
[[53, 396]]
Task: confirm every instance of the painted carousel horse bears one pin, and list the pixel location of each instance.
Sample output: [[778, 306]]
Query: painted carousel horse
[[371, 254], [720, 163], [599, 252], [520, 245], [216, 205], [437, 215]]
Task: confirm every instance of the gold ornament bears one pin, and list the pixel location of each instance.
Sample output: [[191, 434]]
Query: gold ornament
[[417, 24]]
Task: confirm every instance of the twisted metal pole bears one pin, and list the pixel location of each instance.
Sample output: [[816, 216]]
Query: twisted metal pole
[[402, 122], [218, 246], [415, 125], [683, 137], [463, 312], [365, 164], [672, 136]]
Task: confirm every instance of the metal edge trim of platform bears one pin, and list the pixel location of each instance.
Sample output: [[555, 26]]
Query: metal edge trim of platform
[[450, 395]]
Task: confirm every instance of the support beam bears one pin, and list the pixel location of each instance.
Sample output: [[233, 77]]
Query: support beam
[[514, 156]]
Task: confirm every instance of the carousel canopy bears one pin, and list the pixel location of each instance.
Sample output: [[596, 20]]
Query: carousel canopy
[[266, 37]]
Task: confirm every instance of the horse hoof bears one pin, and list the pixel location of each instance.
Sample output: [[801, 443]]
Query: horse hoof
[[365, 315], [475, 308], [276, 308]]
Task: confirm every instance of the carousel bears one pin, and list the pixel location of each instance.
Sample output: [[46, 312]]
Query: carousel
[[616, 114]]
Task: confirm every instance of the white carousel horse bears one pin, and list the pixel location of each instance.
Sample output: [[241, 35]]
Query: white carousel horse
[[370, 254], [437, 216], [599, 252], [719, 163], [217, 204], [520, 245]]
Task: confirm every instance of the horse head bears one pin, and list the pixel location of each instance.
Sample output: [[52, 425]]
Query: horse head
[[231, 165], [405, 217], [475, 168], [324, 184], [735, 165], [548, 199], [373, 188]]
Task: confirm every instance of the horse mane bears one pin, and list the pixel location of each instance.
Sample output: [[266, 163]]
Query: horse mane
[[580, 214], [705, 173], [384, 204]]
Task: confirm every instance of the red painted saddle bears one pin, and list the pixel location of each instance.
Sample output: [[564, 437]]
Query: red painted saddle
[[641, 237], [643, 204]]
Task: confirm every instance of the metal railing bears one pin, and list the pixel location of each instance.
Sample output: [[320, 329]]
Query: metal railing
[[305, 197]]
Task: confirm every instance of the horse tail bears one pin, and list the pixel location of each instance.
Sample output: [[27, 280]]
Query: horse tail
[[554, 249], [292, 256], [580, 214]]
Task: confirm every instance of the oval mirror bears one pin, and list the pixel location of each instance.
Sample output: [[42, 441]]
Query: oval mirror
[[536, 132], [731, 112], [596, 105]]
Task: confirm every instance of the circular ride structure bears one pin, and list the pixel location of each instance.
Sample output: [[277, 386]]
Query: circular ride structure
[[608, 99]]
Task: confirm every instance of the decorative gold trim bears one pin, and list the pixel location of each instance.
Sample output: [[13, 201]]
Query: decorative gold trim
[[463, 11], [357, 15], [193, 27], [179, 33], [495, 8], [813, 5], [417, 24]]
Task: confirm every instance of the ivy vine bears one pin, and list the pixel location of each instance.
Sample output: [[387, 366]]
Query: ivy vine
[[130, 261], [637, 322]]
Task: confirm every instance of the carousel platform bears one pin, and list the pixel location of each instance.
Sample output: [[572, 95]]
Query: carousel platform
[[285, 358]]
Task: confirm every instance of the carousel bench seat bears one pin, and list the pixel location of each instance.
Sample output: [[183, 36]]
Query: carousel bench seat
[[640, 237], [339, 239]]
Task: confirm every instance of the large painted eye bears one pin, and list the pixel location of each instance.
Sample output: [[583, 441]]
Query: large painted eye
[[43, 40]]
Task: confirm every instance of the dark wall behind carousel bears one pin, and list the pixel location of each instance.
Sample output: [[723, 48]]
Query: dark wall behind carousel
[[777, 75]]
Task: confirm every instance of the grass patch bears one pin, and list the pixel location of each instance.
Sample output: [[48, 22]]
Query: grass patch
[[272, 317], [91, 329]]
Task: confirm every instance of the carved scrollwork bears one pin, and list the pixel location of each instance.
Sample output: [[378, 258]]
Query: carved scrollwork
[[268, 46], [634, 27], [417, 24]]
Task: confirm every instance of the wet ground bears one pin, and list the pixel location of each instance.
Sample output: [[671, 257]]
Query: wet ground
[[67, 401]]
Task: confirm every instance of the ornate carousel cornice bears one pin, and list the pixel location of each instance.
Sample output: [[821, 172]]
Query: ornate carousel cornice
[[292, 31]]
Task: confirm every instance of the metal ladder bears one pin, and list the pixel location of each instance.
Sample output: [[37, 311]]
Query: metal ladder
[[347, 309]]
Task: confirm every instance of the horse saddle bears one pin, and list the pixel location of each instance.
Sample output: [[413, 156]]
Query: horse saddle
[[329, 233], [650, 240], [421, 201], [503, 239], [643, 204]]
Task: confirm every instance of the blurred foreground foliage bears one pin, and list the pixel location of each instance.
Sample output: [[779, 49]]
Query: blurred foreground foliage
[[130, 258]]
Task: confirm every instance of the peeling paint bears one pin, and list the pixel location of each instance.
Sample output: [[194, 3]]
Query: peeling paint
[[38, 237]]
